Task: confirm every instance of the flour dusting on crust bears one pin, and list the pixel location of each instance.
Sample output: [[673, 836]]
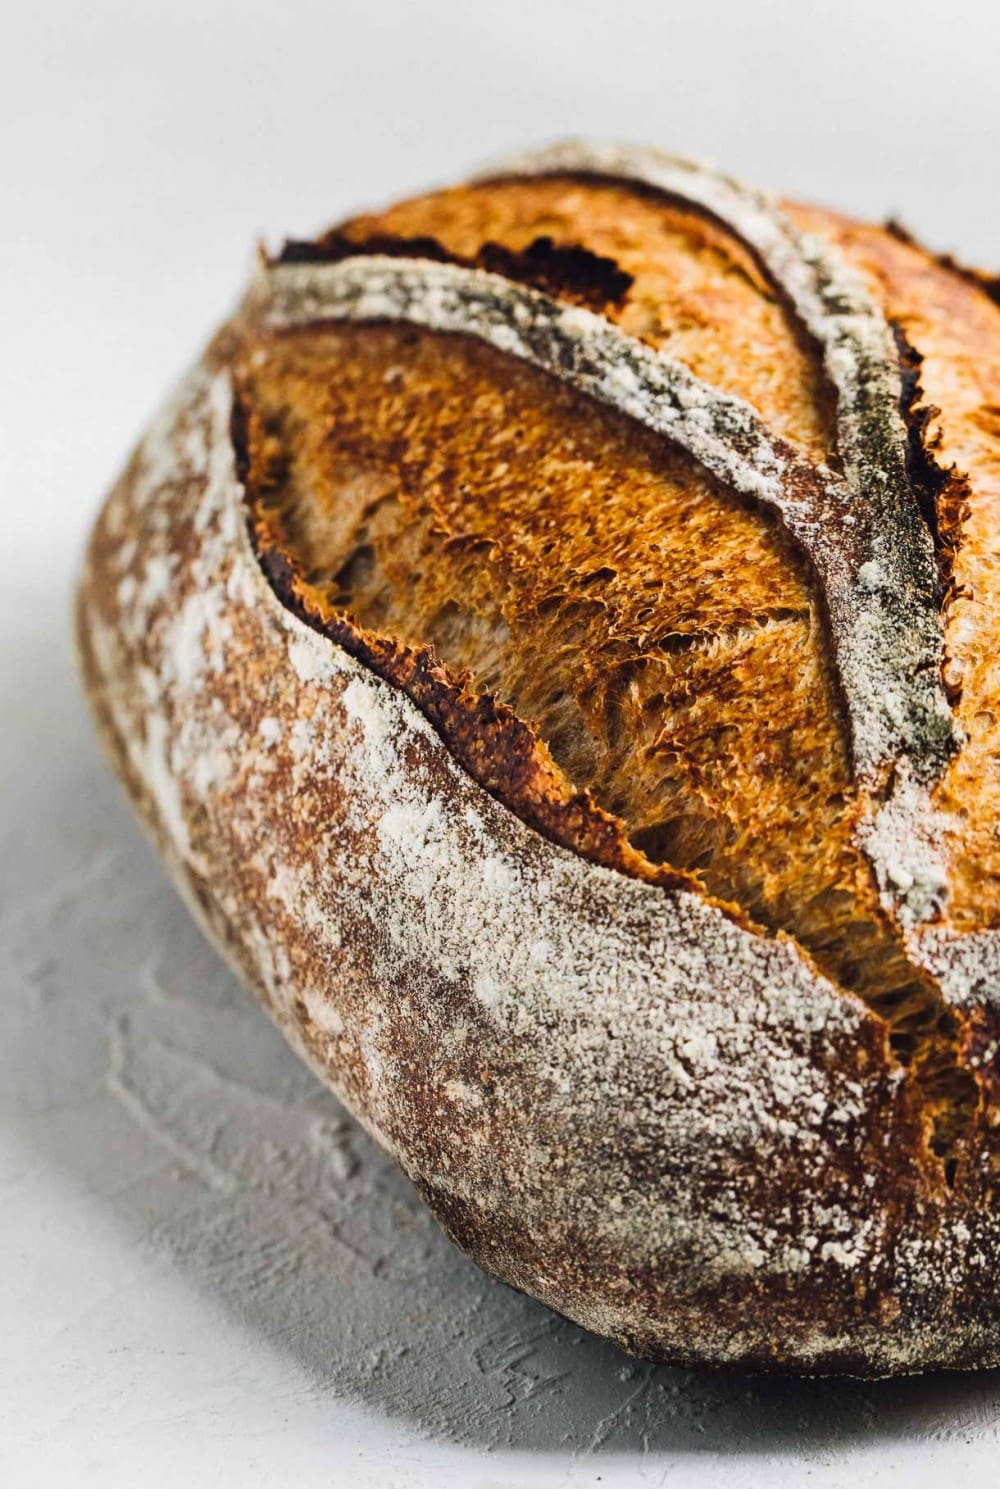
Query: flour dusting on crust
[[593, 1080]]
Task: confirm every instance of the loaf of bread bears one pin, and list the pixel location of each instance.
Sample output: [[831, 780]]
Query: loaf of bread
[[553, 636]]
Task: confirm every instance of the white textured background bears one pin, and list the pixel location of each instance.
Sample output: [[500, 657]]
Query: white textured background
[[207, 1274]]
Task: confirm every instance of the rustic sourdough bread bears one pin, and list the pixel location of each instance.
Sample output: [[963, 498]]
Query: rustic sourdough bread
[[551, 635]]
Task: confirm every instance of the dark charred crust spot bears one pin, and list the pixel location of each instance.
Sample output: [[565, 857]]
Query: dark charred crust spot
[[942, 492], [927, 478], [566, 271], [239, 433], [336, 245], [569, 272], [899, 231], [981, 1033]]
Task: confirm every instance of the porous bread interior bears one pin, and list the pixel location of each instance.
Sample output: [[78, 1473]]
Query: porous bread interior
[[662, 637]]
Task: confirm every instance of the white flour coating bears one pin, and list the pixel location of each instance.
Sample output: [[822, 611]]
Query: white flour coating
[[966, 967], [903, 843], [562, 1048]]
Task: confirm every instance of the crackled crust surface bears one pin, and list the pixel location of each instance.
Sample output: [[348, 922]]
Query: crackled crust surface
[[322, 782]]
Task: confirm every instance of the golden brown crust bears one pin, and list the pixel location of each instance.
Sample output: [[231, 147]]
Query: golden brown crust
[[636, 662], [420, 479], [696, 291], [643, 648]]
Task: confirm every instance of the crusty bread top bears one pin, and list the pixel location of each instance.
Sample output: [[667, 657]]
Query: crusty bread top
[[716, 656]]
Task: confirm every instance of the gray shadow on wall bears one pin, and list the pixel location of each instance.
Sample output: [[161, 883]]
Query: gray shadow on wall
[[132, 1060]]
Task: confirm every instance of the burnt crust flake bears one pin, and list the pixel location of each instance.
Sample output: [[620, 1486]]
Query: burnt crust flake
[[568, 271], [942, 492]]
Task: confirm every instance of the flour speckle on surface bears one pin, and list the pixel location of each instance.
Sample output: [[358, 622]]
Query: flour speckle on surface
[[309, 659], [270, 730]]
